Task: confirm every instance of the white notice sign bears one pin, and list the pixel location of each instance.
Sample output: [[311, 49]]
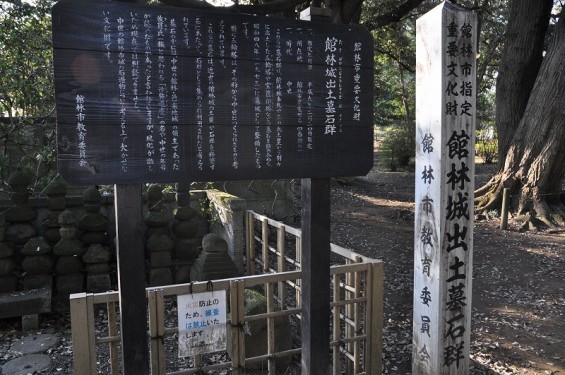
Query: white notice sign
[[202, 323]]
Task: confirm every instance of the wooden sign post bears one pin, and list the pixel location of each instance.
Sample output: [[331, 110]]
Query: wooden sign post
[[162, 94], [130, 255], [315, 261], [445, 137]]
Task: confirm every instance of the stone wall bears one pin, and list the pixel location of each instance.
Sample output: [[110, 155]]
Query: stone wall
[[210, 210], [227, 214], [273, 198]]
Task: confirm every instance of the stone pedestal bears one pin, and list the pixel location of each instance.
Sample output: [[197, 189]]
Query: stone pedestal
[[187, 246], [8, 279], [37, 264], [56, 192], [159, 243], [69, 266], [94, 236], [18, 230], [214, 261]]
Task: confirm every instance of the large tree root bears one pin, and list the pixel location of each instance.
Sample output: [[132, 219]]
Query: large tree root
[[489, 197], [533, 210]]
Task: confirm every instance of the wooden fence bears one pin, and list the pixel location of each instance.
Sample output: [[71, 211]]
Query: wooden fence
[[357, 302]]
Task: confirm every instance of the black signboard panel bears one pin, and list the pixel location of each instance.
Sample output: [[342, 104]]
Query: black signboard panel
[[163, 94]]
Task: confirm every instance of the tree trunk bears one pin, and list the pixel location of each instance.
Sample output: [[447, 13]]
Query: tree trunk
[[521, 59], [535, 165]]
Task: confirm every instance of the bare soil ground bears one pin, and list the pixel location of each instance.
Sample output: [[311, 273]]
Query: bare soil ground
[[518, 322]]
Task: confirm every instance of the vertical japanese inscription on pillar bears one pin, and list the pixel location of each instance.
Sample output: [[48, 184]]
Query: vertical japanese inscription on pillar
[[168, 94], [443, 242]]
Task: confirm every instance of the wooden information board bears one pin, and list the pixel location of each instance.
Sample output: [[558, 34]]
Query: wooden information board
[[163, 94]]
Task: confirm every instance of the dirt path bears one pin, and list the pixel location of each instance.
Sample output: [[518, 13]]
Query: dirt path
[[518, 322]]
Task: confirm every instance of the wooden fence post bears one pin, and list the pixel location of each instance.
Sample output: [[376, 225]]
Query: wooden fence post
[[504, 211], [281, 248], [237, 297], [84, 343], [374, 318], [157, 331], [250, 240]]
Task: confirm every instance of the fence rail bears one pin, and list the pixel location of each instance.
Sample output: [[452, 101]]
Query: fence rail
[[356, 308]]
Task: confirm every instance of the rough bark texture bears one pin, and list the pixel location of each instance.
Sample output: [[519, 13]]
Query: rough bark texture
[[535, 164], [522, 57]]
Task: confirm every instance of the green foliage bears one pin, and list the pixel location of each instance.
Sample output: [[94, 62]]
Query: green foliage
[[397, 145], [486, 143], [395, 71], [27, 125]]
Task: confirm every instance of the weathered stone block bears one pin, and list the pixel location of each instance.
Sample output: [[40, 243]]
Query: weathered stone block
[[56, 188], [185, 229], [38, 281], [36, 246], [97, 268], [68, 233], [56, 203], [90, 238], [19, 199], [185, 213], [26, 302], [67, 247], [156, 219], [213, 262], [187, 248], [92, 196], [98, 283], [51, 220], [160, 259], [8, 283], [160, 276], [70, 283], [182, 273], [20, 214], [94, 222], [20, 233], [5, 250], [7, 266], [97, 254], [19, 181], [52, 235], [66, 217], [212, 243], [156, 231], [38, 264], [68, 265], [159, 242]]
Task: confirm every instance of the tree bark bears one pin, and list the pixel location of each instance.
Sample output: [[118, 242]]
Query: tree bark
[[534, 168], [522, 57]]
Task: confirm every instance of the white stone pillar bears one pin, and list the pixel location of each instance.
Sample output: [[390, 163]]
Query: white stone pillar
[[443, 235]]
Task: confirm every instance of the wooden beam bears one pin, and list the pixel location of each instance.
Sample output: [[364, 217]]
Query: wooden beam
[[131, 278], [315, 276]]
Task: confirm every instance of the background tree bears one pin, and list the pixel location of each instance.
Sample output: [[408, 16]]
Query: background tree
[[523, 54], [534, 166], [27, 131]]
